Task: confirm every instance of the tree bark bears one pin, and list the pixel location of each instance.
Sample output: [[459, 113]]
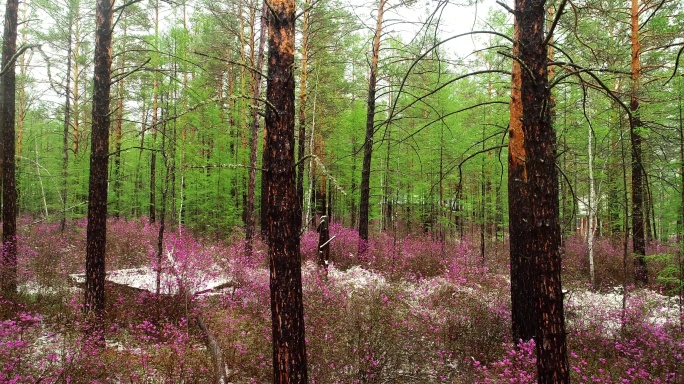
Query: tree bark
[[67, 123], [680, 265], [152, 209], [284, 213], [250, 227], [118, 132], [522, 308], [370, 128], [7, 116], [534, 205], [22, 95], [635, 124], [323, 242], [301, 140], [76, 92], [591, 206], [96, 234]]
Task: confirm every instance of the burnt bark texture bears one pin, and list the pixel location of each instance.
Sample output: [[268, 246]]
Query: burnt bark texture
[[7, 117], [96, 232], [284, 213], [522, 307], [364, 200], [635, 125], [534, 206]]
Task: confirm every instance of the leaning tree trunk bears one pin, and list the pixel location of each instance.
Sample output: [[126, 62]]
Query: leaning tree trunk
[[284, 213], [534, 199], [370, 127], [635, 124], [96, 234], [9, 186]]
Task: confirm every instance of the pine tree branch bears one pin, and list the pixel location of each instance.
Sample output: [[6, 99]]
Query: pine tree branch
[[522, 65], [120, 77], [657, 8], [561, 8], [223, 166], [249, 68], [506, 7], [14, 57], [124, 5], [674, 71]]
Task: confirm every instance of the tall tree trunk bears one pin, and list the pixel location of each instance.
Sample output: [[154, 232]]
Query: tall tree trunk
[[22, 95], [76, 92], [534, 226], [370, 127], [67, 123], [265, 165], [162, 211], [635, 124], [138, 176], [591, 206], [242, 180], [9, 186], [99, 159], [301, 139], [353, 184], [155, 118], [250, 228], [312, 174], [386, 191], [522, 308], [284, 212], [681, 213], [118, 132]]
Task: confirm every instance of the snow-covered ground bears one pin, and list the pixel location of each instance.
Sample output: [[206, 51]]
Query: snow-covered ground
[[604, 309], [145, 279]]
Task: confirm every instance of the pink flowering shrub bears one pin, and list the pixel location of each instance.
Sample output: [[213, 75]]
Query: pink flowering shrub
[[412, 309], [643, 343], [518, 365], [343, 249]]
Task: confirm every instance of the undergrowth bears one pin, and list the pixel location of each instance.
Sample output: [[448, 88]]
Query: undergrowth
[[412, 310]]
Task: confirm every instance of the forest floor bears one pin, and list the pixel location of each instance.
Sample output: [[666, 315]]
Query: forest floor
[[413, 310]]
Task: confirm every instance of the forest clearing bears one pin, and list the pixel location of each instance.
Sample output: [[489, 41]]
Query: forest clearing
[[320, 191]]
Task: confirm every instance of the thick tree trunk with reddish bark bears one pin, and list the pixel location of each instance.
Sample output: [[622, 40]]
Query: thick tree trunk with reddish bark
[[364, 206], [99, 159], [534, 206], [522, 308], [9, 186], [284, 214]]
